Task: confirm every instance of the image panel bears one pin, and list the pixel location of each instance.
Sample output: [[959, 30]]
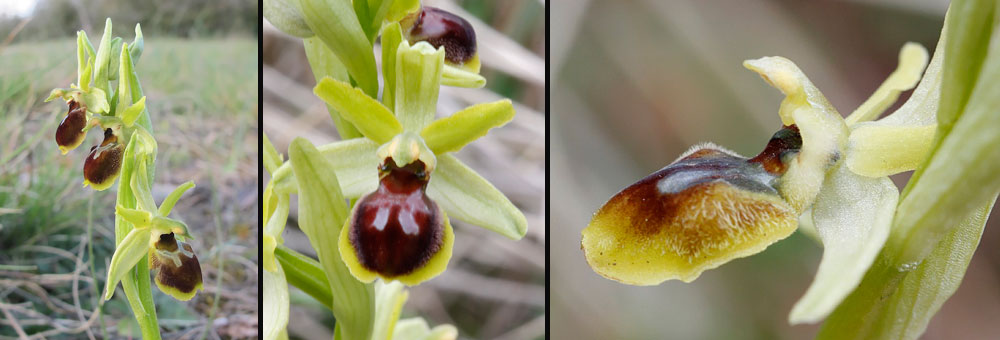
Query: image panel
[[129, 169], [774, 170], [404, 151]]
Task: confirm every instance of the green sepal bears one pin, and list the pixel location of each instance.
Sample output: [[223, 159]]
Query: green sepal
[[335, 22], [102, 63], [125, 85], [392, 36], [133, 248], [140, 186], [168, 202], [96, 100], [274, 226], [465, 195], [139, 218], [136, 47], [459, 77], [372, 119], [285, 15], [322, 212], [324, 63], [354, 161], [451, 133], [116, 49], [132, 112], [852, 216], [276, 303], [83, 61], [418, 81]]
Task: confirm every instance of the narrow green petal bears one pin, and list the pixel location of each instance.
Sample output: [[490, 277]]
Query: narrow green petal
[[133, 248], [418, 81], [852, 215], [139, 218], [389, 300], [322, 212], [354, 161], [454, 132], [133, 111], [273, 228], [275, 303], [471, 198], [82, 61], [168, 203], [894, 304], [335, 22], [912, 59], [324, 63], [459, 77], [876, 150], [368, 115], [821, 126], [286, 17], [392, 35]]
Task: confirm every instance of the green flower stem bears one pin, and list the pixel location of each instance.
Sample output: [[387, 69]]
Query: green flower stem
[[306, 274]]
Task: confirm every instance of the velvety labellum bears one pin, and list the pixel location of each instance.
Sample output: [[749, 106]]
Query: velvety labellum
[[104, 162], [70, 132], [175, 266], [441, 28], [397, 229], [706, 208]]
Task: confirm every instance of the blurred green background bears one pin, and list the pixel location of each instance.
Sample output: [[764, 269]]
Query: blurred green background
[[199, 73], [635, 83], [494, 288]]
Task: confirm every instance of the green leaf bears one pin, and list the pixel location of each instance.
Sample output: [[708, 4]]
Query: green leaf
[[392, 36], [285, 15], [335, 22], [306, 274], [852, 215], [324, 63], [322, 212], [275, 303], [272, 159], [168, 203], [451, 133], [418, 81], [471, 198], [103, 58], [966, 50], [389, 300], [458, 77], [133, 248], [894, 304], [962, 170], [369, 116]]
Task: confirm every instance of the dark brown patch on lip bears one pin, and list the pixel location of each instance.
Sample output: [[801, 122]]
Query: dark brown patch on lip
[[441, 28], [70, 133], [184, 278], [397, 229], [786, 140], [104, 165]]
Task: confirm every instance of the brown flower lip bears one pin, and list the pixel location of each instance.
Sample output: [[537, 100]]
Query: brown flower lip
[[397, 229], [441, 28], [180, 278], [104, 162], [70, 132]]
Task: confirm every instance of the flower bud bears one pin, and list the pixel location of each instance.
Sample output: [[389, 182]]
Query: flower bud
[[175, 266], [104, 162], [70, 132], [441, 28], [397, 231], [708, 207]]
